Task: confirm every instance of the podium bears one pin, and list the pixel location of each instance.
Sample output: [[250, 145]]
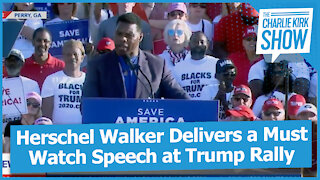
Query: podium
[[109, 110]]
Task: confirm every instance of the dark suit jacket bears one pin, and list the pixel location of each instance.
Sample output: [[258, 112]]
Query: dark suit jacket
[[104, 78]]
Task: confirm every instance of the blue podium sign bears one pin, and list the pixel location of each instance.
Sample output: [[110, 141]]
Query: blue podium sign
[[105, 110], [66, 30]]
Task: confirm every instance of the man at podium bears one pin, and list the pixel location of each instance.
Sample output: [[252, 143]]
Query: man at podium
[[128, 72]]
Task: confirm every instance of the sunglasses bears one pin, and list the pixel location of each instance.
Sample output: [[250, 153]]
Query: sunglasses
[[227, 74], [172, 32], [251, 38], [239, 99], [201, 5], [176, 13], [276, 113], [34, 105]]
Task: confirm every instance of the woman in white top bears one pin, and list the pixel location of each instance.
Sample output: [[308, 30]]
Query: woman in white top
[[64, 11], [176, 35], [24, 40], [196, 22], [61, 91]]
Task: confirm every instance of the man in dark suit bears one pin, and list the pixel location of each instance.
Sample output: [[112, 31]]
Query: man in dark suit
[[128, 72]]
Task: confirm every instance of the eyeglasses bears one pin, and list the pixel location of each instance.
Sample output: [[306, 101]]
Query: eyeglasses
[[34, 105], [172, 32], [176, 13], [227, 74], [64, 3], [201, 5], [245, 99], [251, 38], [275, 113]]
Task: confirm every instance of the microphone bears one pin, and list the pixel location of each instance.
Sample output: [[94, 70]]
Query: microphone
[[135, 68]]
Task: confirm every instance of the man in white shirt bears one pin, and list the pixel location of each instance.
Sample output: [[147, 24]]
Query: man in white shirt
[[198, 69], [225, 74], [13, 64]]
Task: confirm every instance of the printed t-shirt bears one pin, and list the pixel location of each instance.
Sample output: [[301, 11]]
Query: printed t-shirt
[[193, 75], [67, 93]]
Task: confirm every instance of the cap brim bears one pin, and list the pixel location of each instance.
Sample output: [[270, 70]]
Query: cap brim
[[234, 113], [306, 110], [242, 93], [268, 107], [250, 35]]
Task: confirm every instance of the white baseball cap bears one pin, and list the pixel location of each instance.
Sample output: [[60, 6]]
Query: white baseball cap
[[308, 108], [17, 53]]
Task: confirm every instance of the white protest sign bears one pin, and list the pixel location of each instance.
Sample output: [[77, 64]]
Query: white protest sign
[[284, 31], [5, 164], [13, 98]]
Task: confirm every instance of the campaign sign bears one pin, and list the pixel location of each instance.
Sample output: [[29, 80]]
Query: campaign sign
[[284, 31], [66, 30], [45, 7], [160, 146], [104, 110], [13, 99], [5, 164]]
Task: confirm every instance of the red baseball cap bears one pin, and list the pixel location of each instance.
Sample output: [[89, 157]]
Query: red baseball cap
[[241, 111], [250, 31], [242, 89], [248, 11], [272, 102], [294, 103], [105, 43]]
